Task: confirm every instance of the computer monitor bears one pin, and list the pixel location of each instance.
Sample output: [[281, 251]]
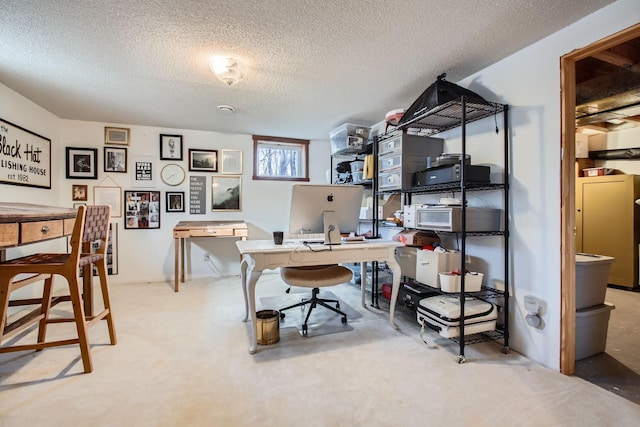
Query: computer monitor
[[310, 202]]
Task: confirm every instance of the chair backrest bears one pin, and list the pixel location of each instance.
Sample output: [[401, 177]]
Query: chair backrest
[[96, 225], [76, 239]]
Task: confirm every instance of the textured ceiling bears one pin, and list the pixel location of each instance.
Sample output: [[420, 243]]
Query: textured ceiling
[[312, 65]]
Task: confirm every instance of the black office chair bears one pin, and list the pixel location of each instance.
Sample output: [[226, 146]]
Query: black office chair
[[315, 277]]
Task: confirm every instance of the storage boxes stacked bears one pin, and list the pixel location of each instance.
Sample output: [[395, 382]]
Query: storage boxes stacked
[[400, 156], [592, 312], [443, 312]]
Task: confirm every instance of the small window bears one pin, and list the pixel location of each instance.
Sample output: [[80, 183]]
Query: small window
[[280, 159]]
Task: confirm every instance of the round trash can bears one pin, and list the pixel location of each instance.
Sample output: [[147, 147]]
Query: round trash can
[[268, 322]]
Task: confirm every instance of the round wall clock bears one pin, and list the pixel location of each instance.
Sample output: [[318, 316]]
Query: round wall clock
[[172, 174]]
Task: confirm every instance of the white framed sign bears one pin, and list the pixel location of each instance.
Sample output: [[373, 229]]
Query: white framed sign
[[111, 196], [25, 157]]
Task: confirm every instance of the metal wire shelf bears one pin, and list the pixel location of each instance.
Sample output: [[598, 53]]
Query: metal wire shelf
[[449, 115]]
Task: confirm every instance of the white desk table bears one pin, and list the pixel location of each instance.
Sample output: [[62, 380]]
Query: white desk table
[[260, 255]]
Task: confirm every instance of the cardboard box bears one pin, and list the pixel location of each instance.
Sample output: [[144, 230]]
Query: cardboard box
[[389, 207], [416, 238], [582, 146]]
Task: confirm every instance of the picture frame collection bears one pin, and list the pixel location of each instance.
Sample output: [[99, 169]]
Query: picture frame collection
[[141, 206]]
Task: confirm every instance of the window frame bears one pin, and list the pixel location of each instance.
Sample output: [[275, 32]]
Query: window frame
[[304, 143]]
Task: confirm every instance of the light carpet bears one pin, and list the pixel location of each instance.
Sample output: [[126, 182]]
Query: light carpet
[[182, 360]]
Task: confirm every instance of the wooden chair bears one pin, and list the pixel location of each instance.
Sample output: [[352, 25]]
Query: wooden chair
[[92, 224]]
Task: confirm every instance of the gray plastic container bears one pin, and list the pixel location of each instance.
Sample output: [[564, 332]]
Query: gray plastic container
[[592, 277], [592, 326]]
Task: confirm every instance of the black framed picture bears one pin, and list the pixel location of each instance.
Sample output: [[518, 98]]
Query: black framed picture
[[115, 159], [170, 147], [142, 209], [175, 201], [81, 163], [203, 160], [226, 193]]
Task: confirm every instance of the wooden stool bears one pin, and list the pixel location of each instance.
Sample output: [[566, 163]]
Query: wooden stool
[[92, 224]]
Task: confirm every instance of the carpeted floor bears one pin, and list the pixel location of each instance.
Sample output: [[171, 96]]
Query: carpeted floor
[[182, 360]]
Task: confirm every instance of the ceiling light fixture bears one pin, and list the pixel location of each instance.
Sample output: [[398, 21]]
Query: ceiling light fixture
[[228, 70]]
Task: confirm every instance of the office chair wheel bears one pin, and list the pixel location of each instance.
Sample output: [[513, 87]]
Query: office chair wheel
[[282, 315], [304, 330], [344, 320]]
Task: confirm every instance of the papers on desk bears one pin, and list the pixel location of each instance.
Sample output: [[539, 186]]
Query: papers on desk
[[353, 239]]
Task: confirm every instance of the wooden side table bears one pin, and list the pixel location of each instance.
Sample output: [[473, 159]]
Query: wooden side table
[[217, 229]]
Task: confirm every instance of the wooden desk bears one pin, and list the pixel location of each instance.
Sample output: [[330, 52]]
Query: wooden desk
[[259, 255], [25, 223], [186, 229]]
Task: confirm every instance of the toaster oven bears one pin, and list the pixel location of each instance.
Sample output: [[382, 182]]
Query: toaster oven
[[449, 218]]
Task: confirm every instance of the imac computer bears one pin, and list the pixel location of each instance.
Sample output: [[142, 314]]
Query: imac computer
[[328, 209]]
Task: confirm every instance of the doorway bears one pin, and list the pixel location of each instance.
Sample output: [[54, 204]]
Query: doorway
[[599, 49]]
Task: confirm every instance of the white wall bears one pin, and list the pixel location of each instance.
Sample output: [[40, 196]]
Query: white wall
[[147, 255], [529, 81], [20, 111]]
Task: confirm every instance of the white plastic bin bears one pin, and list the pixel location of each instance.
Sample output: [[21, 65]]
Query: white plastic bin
[[429, 264], [592, 277], [453, 283], [348, 136]]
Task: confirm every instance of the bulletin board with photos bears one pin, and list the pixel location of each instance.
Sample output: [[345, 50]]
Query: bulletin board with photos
[[142, 209]]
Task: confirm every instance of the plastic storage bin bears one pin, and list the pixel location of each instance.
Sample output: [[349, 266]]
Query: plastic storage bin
[[406, 257], [348, 137], [389, 162], [390, 180], [592, 277], [389, 146], [452, 283], [592, 325], [429, 264]]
